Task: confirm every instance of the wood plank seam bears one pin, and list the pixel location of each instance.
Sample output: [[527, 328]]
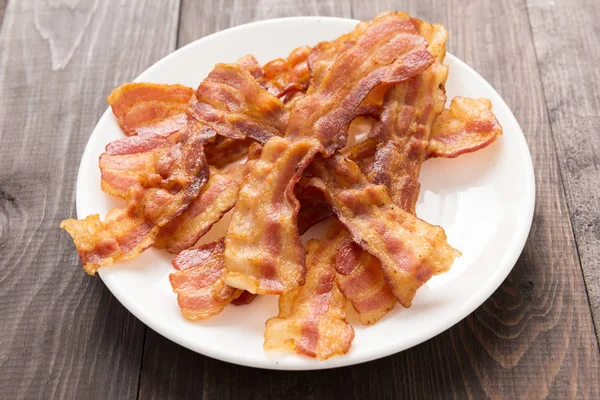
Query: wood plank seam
[[562, 177], [139, 382]]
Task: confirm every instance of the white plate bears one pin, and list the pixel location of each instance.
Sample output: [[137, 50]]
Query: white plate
[[483, 200]]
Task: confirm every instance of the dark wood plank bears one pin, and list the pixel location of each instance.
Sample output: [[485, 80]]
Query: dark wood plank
[[62, 334], [533, 338], [568, 49]]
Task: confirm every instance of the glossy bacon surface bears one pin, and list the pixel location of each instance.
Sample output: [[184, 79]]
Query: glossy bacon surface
[[217, 197], [286, 76], [158, 198], [121, 236], [311, 318], [150, 108], [128, 161], [389, 51], [232, 102], [200, 282], [410, 250], [360, 278], [263, 252], [467, 126], [409, 112]]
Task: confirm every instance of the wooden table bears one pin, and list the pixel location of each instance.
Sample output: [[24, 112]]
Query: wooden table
[[63, 334]]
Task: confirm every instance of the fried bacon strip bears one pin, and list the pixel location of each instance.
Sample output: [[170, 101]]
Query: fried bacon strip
[[408, 115], [181, 170], [360, 278], [217, 197], [263, 252], [324, 54], [150, 108], [401, 146], [467, 126], [232, 102], [126, 161], [224, 151], [283, 77], [311, 318], [121, 236], [200, 282], [410, 250]]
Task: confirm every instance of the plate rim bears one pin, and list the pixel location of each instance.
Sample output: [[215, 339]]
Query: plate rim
[[474, 301]]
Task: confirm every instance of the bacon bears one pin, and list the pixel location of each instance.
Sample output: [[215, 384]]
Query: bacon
[[360, 278], [224, 151], [232, 102], [467, 126], [200, 282], [218, 196], [265, 247], [121, 236], [284, 77], [181, 172], [408, 113], [324, 54], [311, 318], [250, 64], [126, 162], [409, 249], [313, 207], [263, 252], [150, 108]]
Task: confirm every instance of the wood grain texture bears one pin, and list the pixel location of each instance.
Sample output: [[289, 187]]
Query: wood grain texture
[[566, 37], [533, 338], [201, 18], [62, 334]]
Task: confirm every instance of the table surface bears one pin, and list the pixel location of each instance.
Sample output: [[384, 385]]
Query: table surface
[[63, 334]]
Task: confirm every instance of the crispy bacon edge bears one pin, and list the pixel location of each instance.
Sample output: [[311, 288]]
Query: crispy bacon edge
[[311, 319], [200, 281], [263, 252], [150, 108]]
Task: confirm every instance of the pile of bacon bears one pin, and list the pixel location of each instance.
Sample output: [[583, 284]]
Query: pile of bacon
[[269, 143]]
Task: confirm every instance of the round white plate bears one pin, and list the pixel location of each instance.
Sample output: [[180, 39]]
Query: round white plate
[[483, 200]]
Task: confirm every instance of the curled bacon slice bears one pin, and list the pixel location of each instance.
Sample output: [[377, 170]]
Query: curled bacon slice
[[360, 278], [467, 126], [121, 236], [200, 282], [410, 250], [409, 110], [224, 151], [311, 318], [181, 170], [126, 162], [231, 101], [283, 77], [250, 64], [150, 108], [263, 252], [313, 207], [217, 197], [324, 54]]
